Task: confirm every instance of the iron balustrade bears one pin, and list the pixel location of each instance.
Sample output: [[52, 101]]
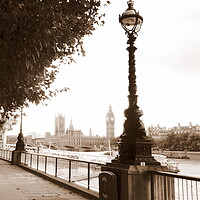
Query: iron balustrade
[[77, 171], [164, 185], [81, 172], [169, 186], [6, 154]]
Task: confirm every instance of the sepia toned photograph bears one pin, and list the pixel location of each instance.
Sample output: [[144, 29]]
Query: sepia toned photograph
[[99, 100]]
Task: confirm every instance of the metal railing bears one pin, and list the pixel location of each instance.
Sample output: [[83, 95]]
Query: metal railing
[[169, 186], [163, 185], [72, 170], [6, 154], [77, 171]]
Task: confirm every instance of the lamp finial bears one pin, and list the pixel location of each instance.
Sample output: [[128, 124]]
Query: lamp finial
[[130, 4]]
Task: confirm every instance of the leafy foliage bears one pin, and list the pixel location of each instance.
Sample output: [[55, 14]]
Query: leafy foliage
[[7, 121], [33, 34], [180, 142]]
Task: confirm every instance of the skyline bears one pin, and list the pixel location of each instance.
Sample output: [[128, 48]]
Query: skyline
[[167, 70]]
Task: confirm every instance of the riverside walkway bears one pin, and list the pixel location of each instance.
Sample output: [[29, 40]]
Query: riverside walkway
[[19, 184]]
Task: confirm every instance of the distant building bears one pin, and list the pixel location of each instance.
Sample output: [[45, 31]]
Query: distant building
[[60, 125], [90, 133], [33, 135], [185, 129], [38, 141], [75, 138], [110, 124], [158, 132], [31, 138]]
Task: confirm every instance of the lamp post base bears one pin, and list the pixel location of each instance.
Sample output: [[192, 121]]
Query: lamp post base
[[16, 157], [137, 153], [133, 181]]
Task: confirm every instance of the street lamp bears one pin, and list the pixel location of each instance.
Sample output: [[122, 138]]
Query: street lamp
[[20, 146], [134, 146]]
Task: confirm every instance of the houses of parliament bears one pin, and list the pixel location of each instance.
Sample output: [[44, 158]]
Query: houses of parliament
[[75, 138]]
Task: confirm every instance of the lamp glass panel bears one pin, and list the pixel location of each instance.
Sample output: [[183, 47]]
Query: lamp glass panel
[[129, 21], [139, 24]]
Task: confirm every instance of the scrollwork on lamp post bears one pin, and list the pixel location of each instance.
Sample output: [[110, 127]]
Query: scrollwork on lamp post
[[134, 146]]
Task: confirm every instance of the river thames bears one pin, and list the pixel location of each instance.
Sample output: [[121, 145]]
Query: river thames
[[189, 167]]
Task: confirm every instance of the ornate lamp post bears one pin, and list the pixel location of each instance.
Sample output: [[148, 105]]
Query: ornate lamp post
[[134, 146], [20, 139], [16, 154]]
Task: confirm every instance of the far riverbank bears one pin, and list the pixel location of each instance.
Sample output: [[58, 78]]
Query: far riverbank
[[180, 154]]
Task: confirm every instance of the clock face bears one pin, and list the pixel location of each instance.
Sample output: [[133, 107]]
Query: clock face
[[110, 118]]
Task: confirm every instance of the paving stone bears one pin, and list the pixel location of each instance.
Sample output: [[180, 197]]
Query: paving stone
[[19, 184]]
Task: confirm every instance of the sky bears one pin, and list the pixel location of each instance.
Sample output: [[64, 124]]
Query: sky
[[167, 70]]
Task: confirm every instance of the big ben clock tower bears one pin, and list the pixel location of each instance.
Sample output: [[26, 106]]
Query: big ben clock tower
[[110, 122]]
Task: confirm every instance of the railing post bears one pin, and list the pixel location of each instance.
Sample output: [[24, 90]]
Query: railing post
[[152, 187], [165, 187], [11, 155], [45, 165], [56, 167], [37, 161], [70, 167], [187, 188], [25, 158], [88, 176], [31, 160], [197, 190], [191, 189]]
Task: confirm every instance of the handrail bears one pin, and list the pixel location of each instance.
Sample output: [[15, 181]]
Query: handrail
[[34, 160], [174, 175], [4, 154], [163, 184], [60, 157]]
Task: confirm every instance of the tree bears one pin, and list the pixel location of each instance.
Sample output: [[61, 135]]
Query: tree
[[6, 124], [33, 34], [180, 142]]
